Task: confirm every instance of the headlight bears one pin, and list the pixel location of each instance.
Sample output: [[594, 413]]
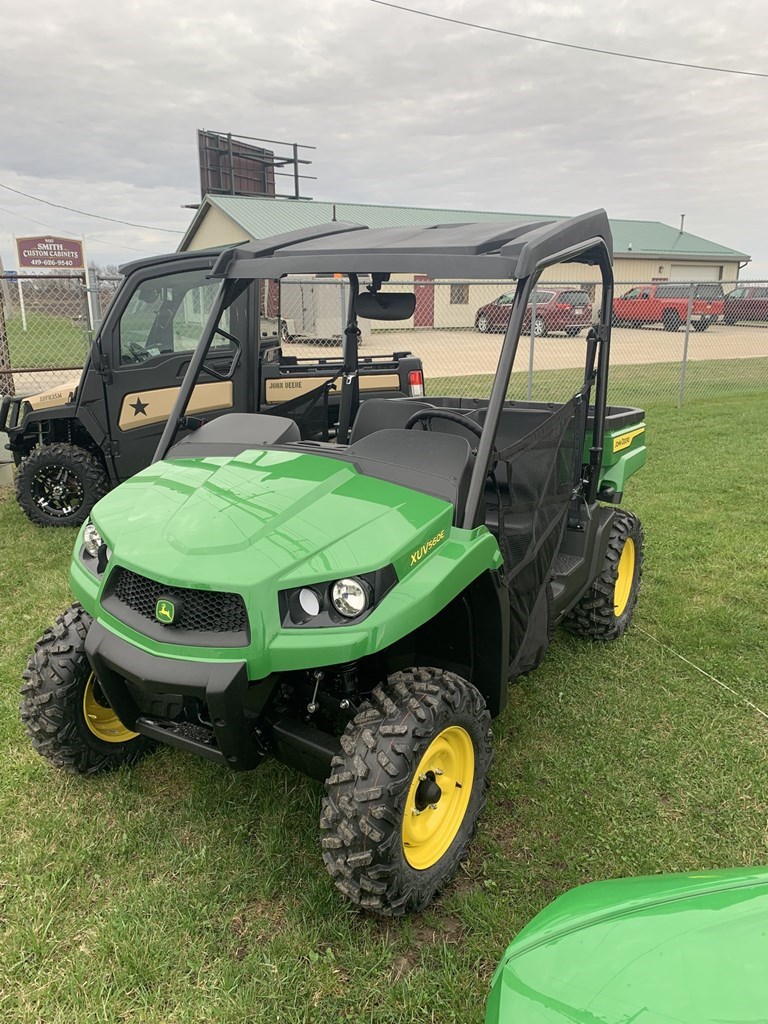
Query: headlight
[[349, 597], [92, 540], [344, 602]]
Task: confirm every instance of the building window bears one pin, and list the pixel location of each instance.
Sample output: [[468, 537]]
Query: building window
[[459, 294]]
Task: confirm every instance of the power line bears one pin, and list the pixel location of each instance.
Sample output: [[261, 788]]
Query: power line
[[98, 216], [86, 238], [569, 46]]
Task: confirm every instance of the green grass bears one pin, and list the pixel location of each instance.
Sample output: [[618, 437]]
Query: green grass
[[635, 384], [177, 892], [50, 341]]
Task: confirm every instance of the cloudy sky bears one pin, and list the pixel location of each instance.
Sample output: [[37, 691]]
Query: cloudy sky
[[101, 102]]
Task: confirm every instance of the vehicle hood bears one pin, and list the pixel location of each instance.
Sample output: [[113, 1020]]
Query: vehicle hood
[[233, 522], [62, 394], [668, 949]]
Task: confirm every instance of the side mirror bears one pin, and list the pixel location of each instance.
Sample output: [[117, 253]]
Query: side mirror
[[385, 305]]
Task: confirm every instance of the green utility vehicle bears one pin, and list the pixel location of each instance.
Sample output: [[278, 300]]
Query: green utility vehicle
[[74, 442], [689, 948], [354, 608]]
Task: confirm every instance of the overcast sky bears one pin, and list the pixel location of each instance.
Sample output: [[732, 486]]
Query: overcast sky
[[101, 102]]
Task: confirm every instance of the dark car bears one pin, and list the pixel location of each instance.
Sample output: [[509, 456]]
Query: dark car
[[557, 309], [748, 302]]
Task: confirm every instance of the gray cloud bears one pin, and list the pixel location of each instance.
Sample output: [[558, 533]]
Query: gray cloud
[[105, 100]]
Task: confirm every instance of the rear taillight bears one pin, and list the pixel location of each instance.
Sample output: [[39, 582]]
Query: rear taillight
[[416, 384], [563, 305]]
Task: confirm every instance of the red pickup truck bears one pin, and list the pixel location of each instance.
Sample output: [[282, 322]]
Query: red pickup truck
[[667, 304]]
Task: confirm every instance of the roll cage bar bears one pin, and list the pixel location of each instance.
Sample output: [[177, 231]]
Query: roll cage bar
[[474, 251]]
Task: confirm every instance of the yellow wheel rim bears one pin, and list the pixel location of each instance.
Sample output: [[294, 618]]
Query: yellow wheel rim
[[100, 718], [438, 798], [624, 578]]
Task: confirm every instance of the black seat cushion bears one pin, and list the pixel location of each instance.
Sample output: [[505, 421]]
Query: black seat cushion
[[383, 414]]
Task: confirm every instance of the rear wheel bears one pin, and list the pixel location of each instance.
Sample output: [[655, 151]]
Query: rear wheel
[[606, 609], [58, 484], [670, 319], [406, 791], [67, 716]]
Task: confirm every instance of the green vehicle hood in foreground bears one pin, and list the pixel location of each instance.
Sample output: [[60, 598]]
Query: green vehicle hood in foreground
[[264, 521], [666, 949]]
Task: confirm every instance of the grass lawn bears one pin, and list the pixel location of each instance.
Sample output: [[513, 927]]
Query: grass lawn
[[179, 894], [49, 341]]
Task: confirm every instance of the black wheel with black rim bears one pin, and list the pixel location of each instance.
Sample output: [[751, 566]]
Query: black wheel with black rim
[[58, 484], [670, 320], [701, 325], [67, 716], [605, 611], [406, 791]]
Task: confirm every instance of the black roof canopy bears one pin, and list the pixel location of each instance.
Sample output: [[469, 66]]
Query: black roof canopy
[[482, 251]]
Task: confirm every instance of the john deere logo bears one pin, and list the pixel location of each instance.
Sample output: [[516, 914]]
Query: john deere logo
[[165, 611]]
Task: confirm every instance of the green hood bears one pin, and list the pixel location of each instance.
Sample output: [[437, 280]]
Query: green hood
[[231, 523], [265, 521], [667, 949]]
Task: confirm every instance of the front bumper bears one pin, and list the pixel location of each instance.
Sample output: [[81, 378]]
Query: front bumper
[[147, 692]]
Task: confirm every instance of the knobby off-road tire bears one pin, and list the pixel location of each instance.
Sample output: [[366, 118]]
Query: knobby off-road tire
[[66, 715], [58, 484], [419, 732], [606, 609]]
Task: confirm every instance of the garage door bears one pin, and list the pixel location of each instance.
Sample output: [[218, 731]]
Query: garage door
[[694, 272]]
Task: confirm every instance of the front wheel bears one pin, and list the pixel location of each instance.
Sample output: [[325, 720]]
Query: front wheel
[[406, 791], [539, 327], [58, 484], [605, 611], [68, 719], [483, 324]]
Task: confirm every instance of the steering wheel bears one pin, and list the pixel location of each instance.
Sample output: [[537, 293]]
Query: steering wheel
[[137, 352], [444, 414]]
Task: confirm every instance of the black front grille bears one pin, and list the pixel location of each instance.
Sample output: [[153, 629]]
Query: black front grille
[[206, 617]]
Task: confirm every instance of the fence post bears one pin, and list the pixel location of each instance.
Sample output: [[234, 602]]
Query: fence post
[[6, 376], [87, 314], [22, 308], [529, 392], [685, 346]]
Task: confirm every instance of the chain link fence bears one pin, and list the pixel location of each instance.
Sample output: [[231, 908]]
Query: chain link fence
[[46, 327], [672, 342]]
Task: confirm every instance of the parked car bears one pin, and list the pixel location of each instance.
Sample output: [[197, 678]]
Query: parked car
[[746, 303], [667, 304], [557, 309]]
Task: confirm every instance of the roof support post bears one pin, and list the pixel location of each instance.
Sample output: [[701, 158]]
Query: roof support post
[[350, 385], [227, 294], [523, 292], [603, 362]]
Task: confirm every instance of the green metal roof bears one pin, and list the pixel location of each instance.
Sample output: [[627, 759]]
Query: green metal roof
[[263, 217]]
